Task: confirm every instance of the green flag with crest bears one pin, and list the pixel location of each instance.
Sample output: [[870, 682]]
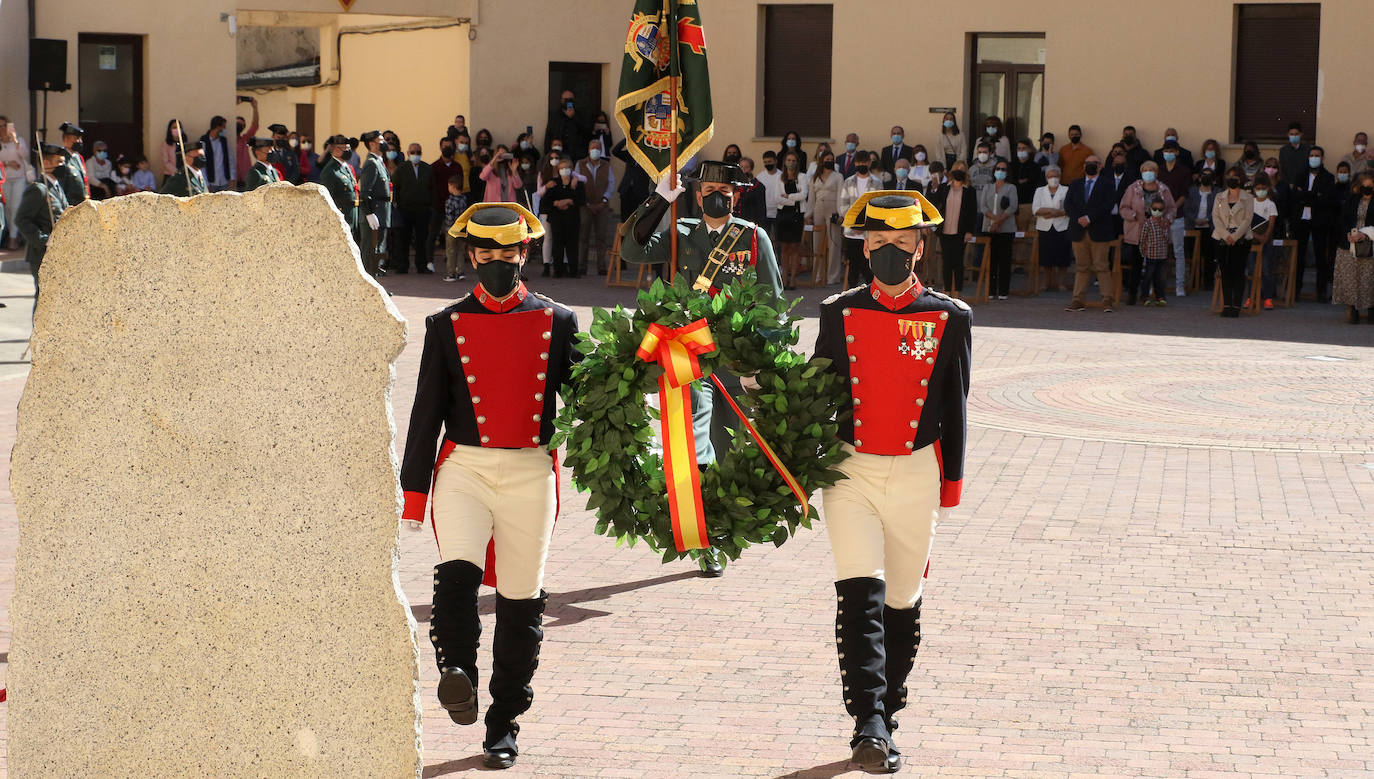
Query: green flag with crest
[[665, 40]]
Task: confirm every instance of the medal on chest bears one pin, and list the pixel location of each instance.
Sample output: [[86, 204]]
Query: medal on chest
[[918, 338]]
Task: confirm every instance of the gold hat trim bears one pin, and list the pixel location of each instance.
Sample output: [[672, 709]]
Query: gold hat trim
[[517, 232], [897, 218]]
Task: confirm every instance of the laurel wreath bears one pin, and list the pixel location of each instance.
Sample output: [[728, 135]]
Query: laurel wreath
[[608, 432]]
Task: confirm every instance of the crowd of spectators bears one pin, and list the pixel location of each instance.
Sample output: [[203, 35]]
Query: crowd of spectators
[[1078, 201]]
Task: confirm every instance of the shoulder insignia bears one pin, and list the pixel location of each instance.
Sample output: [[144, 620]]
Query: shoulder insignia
[[831, 299], [842, 293], [554, 303], [958, 303]]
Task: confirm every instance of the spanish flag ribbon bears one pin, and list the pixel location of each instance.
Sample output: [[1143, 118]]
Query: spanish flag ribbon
[[787, 477], [677, 349]]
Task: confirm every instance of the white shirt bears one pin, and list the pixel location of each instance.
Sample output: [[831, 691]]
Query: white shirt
[[1266, 209], [1307, 210], [1046, 199], [852, 189], [772, 189], [1116, 185]]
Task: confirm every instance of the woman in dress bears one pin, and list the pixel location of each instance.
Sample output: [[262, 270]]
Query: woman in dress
[[1354, 275], [1052, 225], [790, 219], [822, 212]]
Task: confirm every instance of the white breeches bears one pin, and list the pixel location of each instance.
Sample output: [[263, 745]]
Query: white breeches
[[881, 520], [507, 494]]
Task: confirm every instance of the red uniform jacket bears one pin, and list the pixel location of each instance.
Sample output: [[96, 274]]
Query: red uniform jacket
[[907, 363]]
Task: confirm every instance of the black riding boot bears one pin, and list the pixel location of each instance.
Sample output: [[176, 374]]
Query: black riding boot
[[454, 630], [515, 655], [901, 638], [859, 639]]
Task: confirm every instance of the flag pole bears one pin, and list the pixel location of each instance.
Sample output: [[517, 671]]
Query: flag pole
[[670, 19], [185, 168]]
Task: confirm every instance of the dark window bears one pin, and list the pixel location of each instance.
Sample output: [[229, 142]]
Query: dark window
[[1276, 69], [796, 69]]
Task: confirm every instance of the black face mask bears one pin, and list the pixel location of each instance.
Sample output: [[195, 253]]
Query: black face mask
[[958, 175], [769, 164], [715, 205], [891, 264], [1091, 168], [732, 158], [446, 152], [1251, 154], [499, 278], [1233, 183], [383, 147], [238, 128], [78, 147], [1366, 190], [1075, 138], [198, 163], [828, 164], [861, 168], [1205, 181], [1118, 168]]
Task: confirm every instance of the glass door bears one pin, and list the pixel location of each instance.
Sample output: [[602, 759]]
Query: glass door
[[1009, 83]]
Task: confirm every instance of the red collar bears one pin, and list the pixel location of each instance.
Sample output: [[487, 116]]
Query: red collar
[[901, 301], [490, 303]]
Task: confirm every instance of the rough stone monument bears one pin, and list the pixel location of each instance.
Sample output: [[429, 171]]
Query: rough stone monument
[[206, 580]]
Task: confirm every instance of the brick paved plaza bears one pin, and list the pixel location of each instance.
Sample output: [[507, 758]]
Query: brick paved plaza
[[1163, 567]]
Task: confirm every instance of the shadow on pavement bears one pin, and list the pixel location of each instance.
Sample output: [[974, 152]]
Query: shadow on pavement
[[453, 766], [822, 771], [560, 607]]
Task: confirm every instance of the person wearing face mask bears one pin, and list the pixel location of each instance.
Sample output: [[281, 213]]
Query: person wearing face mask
[[492, 368], [190, 178], [904, 351], [791, 220], [1092, 230], [100, 172], [998, 143], [261, 173], [1359, 159], [1074, 155], [1312, 214], [1047, 155], [43, 203], [1178, 177], [1293, 155], [1354, 267], [1266, 210], [375, 195], [566, 129], [771, 179], [1154, 252], [562, 201], [998, 204], [903, 181], [601, 131], [956, 198], [1136, 154], [745, 248], [1052, 225], [822, 213], [980, 168], [413, 184], [1251, 162], [444, 168], [951, 143], [121, 178], [596, 234], [284, 157], [1136, 205], [1232, 219], [72, 175], [338, 178], [851, 246], [1181, 154], [1197, 211], [898, 150], [220, 162], [244, 133], [844, 161], [791, 141], [1028, 177]]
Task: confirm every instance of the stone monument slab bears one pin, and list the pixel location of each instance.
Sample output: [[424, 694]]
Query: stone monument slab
[[206, 579]]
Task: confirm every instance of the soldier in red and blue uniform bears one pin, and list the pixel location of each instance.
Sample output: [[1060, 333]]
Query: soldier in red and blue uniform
[[904, 351], [492, 366]]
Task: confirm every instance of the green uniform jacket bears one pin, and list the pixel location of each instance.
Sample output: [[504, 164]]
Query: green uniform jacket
[[71, 175], [261, 174], [694, 245], [176, 184], [343, 189], [376, 190], [35, 220]]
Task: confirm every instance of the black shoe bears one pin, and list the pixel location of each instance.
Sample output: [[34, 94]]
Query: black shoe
[[709, 560], [870, 754], [547, 271], [893, 763], [1130, 301], [498, 758], [380, 272], [457, 696], [1354, 315]]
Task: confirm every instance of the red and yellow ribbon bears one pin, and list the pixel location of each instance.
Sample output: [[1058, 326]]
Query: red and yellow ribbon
[[677, 349]]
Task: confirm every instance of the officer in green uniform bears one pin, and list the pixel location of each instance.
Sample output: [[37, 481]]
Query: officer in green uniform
[[263, 172], [337, 176], [746, 246], [72, 174], [375, 192], [187, 182], [40, 207]]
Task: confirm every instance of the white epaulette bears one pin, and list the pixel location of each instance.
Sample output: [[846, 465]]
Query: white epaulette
[[956, 301], [550, 301], [841, 294]]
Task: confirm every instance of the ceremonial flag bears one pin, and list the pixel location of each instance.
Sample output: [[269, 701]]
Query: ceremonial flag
[[665, 45]]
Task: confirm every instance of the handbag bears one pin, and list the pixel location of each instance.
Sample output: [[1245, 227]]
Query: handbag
[[1363, 249]]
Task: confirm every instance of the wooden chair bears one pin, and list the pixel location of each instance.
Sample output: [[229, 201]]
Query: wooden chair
[[1031, 263], [984, 269], [617, 265], [820, 260], [1194, 280], [1287, 292]]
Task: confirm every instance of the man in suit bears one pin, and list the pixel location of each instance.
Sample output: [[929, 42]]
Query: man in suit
[[844, 163], [1121, 177], [1089, 206], [1293, 156], [1182, 155], [414, 199], [375, 193], [898, 150], [1314, 205]]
